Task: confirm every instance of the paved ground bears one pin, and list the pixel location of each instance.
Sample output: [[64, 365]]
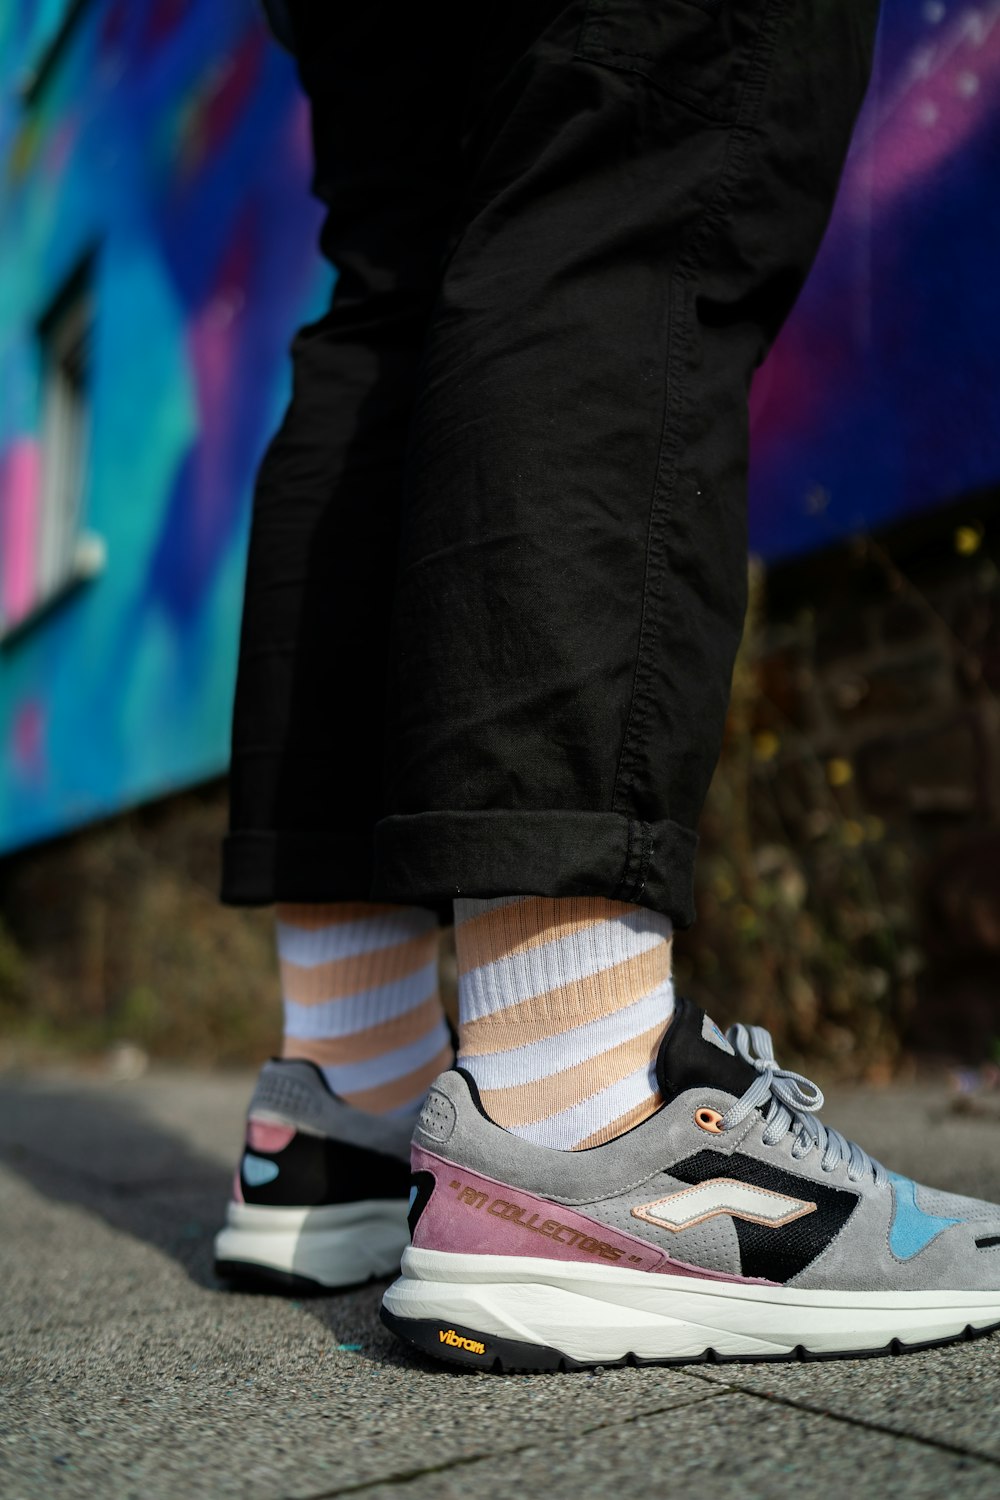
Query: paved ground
[[125, 1371]]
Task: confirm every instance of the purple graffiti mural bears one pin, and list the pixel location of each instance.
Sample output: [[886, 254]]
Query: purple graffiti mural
[[880, 398]]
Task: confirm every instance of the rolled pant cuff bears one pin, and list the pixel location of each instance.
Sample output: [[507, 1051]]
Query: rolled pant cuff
[[428, 858], [260, 868]]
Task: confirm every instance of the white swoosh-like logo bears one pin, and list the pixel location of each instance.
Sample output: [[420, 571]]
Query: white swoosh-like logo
[[723, 1195]]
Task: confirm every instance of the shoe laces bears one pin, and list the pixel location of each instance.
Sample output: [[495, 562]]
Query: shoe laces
[[790, 1103]]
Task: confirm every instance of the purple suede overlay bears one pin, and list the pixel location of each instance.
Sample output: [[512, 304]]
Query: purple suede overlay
[[468, 1214]]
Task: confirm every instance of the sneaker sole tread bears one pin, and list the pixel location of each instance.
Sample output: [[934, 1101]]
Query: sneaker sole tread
[[512, 1357]]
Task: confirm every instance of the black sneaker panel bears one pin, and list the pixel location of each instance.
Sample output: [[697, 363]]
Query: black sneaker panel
[[779, 1252], [687, 1060], [314, 1171], [422, 1185], [474, 1094]]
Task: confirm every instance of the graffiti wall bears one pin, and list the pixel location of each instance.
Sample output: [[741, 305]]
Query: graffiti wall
[[882, 396], [156, 231], [167, 148]]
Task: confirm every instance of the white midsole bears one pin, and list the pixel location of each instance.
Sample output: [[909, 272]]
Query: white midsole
[[595, 1312], [335, 1245]]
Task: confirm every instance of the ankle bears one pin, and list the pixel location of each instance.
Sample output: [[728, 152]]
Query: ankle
[[563, 1003]]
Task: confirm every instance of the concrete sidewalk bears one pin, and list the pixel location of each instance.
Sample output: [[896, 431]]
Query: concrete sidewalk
[[125, 1371]]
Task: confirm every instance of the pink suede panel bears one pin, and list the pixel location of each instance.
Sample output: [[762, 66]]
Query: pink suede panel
[[473, 1215], [263, 1136]]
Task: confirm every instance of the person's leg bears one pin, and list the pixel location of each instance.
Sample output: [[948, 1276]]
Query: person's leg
[[651, 191], [562, 1008], [649, 185], [308, 730], [361, 1001], [320, 1195], [651, 188], [572, 593]]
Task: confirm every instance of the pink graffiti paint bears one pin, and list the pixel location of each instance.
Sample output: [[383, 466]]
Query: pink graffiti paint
[[20, 505], [928, 118], [27, 739]]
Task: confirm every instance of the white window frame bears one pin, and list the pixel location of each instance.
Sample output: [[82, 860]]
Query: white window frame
[[66, 554]]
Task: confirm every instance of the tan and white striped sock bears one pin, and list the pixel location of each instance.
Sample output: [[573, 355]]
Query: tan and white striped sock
[[563, 1004], [360, 988]]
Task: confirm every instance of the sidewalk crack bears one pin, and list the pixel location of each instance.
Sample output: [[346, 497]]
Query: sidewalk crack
[[407, 1476], [941, 1445]]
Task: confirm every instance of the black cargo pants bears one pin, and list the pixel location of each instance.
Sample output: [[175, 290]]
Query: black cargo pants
[[497, 568]]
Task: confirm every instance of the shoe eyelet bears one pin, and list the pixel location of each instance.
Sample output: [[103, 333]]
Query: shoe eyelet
[[708, 1119]]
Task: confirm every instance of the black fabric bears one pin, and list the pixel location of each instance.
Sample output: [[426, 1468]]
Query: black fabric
[[314, 1171], [781, 1252], [474, 1094], [497, 567], [687, 1060], [422, 1186], [280, 22]]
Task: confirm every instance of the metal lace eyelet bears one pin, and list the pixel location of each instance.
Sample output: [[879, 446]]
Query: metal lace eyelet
[[708, 1119]]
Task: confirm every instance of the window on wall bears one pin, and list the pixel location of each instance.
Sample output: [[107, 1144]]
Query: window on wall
[[65, 440], [42, 506], [44, 31]]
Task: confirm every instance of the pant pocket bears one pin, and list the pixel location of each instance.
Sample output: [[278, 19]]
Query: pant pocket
[[697, 51]]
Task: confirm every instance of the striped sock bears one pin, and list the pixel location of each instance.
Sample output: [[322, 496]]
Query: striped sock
[[360, 986], [562, 1007]]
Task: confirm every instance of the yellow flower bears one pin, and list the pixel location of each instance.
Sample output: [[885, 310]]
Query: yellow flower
[[968, 539], [839, 772], [765, 745]]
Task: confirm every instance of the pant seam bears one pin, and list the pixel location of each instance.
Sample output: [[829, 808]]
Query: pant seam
[[678, 333], [636, 866], [623, 884]]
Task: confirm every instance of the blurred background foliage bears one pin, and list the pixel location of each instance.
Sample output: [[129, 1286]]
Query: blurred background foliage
[[807, 913], [854, 913], [850, 865]]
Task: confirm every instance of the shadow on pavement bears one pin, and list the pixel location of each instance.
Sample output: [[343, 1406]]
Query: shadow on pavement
[[80, 1144], [91, 1146]]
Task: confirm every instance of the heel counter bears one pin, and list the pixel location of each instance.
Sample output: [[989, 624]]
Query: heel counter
[[437, 1119], [290, 1091], [281, 1167]]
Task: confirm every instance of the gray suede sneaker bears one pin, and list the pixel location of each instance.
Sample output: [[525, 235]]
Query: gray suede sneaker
[[320, 1195], [729, 1225]]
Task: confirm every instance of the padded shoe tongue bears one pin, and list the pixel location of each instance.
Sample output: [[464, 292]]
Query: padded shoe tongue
[[694, 1053]]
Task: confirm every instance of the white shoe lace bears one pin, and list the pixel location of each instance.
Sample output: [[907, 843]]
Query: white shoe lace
[[792, 1102]]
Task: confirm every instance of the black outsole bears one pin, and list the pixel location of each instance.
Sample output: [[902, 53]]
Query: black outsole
[[497, 1356], [245, 1276]]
